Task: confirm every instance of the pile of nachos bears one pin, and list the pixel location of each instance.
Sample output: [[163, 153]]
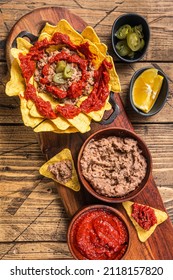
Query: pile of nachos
[[63, 80]]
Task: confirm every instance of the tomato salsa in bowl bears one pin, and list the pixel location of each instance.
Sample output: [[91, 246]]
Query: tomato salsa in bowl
[[114, 165], [98, 232]]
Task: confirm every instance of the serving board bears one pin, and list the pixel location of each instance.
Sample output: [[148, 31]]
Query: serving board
[[159, 245]]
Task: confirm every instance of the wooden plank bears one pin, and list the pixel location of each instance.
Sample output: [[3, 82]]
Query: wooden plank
[[34, 250]]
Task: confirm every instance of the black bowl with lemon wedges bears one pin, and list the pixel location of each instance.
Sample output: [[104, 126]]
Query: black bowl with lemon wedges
[[148, 91], [130, 37]]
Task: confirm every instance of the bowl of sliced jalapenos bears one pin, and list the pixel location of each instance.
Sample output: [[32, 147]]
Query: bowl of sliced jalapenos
[[130, 37]]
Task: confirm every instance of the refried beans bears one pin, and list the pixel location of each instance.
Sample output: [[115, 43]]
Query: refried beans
[[114, 166]]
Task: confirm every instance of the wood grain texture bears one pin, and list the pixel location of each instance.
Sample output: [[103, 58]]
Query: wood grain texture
[[33, 221]]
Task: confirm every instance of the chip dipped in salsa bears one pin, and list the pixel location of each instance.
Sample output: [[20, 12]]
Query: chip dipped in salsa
[[144, 218], [67, 78]]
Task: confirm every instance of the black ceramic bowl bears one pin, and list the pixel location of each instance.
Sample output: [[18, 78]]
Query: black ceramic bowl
[[133, 20], [161, 99]]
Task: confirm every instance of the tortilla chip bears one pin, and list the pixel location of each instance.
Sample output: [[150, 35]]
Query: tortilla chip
[[98, 57], [15, 53], [60, 123], [81, 122], [34, 112], [73, 183], [16, 85], [64, 27], [90, 34], [114, 82], [71, 129], [98, 115], [26, 117], [143, 234], [103, 48], [23, 45], [43, 36], [48, 28], [44, 126]]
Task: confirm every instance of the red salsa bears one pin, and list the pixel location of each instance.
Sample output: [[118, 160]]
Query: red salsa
[[144, 215], [100, 235], [82, 57]]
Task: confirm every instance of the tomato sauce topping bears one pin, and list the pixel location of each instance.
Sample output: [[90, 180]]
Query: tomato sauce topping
[[96, 98], [44, 107], [144, 215], [100, 235]]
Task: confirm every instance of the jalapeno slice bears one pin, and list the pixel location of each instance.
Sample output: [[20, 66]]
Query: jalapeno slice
[[59, 79], [68, 72], [133, 41], [122, 48], [131, 54], [60, 66], [142, 44], [123, 31]]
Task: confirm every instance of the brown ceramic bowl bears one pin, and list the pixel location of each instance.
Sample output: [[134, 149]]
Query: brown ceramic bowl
[[119, 132], [73, 226]]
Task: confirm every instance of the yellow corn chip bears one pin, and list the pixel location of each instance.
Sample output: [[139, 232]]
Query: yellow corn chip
[[43, 36], [81, 122], [102, 47], [64, 27], [143, 234], [34, 112], [60, 123], [71, 129], [114, 83], [16, 85], [73, 183], [98, 115], [48, 28], [45, 125], [27, 118], [90, 34], [23, 45], [98, 57]]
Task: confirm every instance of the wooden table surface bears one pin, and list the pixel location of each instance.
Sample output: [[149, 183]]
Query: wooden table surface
[[33, 221]]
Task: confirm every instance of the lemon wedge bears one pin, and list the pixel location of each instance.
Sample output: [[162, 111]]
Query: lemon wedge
[[146, 89]]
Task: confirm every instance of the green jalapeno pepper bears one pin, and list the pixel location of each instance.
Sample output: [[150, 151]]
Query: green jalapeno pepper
[[123, 31], [58, 79], [60, 66], [133, 41], [68, 72], [122, 48]]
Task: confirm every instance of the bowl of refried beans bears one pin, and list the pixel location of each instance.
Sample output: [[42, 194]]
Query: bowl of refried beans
[[114, 165]]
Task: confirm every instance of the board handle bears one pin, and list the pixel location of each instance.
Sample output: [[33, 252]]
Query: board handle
[[26, 34], [115, 113]]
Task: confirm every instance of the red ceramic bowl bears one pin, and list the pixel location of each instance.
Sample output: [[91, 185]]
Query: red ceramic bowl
[[77, 230], [119, 132]]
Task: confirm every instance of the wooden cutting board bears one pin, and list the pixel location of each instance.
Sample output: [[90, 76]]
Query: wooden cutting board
[[159, 245]]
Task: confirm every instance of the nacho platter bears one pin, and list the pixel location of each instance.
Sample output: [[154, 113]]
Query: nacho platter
[[52, 143]]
